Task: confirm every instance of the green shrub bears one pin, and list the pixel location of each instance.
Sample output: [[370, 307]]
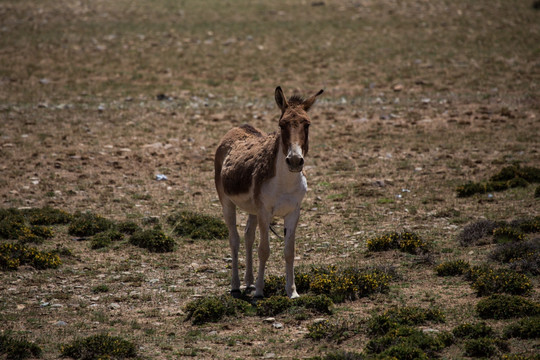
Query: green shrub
[[317, 303], [14, 255], [526, 328], [197, 226], [522, 256], [106, 238], [331, 331], [406, 341], [482, 347], [452, 268], [18, 348], [527, 225], [472, 331], [476, 231], [487, 281], [48, 216], [101, 346], [506, 306], [89, 224], [273, 305], [537, 192], [128, 227], [153, 240], [339, 355], [277, 304], [406, 241], [507, 234], [100, 289], [214, 308], [398, 316]]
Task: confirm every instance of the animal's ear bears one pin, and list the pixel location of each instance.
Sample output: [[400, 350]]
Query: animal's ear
[[309, 102], [281, 101]]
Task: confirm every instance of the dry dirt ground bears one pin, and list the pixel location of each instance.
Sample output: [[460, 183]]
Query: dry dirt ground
[[98, 97]]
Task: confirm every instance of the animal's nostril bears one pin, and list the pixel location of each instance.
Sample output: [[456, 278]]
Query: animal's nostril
[[301, 162], [288, 161]]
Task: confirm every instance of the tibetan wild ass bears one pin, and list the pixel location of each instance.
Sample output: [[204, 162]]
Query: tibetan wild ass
[[262, 175]]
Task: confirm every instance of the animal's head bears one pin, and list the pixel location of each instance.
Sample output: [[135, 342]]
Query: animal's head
[[294, 126]]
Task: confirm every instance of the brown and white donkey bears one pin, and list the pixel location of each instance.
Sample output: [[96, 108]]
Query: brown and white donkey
[[262, 175]]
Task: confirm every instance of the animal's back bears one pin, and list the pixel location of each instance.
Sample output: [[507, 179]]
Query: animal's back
[[245, 154]]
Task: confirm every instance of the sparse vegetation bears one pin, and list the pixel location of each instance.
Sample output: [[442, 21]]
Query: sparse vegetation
[[452, 268], [154, 240], [506, 306], [331, 331], [128, 227], [106, 238], [214, 308], [14, 255], [522, 256], [473, 331], [277, 304], [89, 224], [18, 348], [482, 347], [406, 241], [409, 316], [198, 226], [102, 346], [526, 328]]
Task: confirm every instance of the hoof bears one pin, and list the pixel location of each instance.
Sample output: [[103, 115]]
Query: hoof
[[236, 293]]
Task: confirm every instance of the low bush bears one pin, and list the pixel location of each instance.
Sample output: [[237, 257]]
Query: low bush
[[526, 328], [198, 226], [472, 331], [89, 224], [339, 355], [476, 231], [452, 268], [154, 240], [214, 308], [404, 342], [14, 255], [406, 241], [506, 306], [48, 216], [331, 331], [487, 281], [101, 346], [537, 192], [128, 227], [277, 304], [482, 347], [523, 256], [106, 238], [100, 289], [16, 348], [507, 234], [398, 316]]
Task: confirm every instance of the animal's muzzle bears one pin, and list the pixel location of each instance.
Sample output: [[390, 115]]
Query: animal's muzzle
[[295, 162]]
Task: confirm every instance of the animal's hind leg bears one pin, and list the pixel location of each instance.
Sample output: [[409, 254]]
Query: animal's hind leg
[[229, 214], [250, 239]]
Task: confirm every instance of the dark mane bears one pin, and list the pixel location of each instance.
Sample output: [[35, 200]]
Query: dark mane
[[296, 100]]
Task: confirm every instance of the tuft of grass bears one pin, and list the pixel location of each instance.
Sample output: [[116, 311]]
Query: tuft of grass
[[452, 268], [18, 348], [106, 238], [100, 289], [473, 331], [102, 346], [406, 241], [501, 306], [526, 328], [487, 281], [198, 226], [214, 308], [154, 240], [89, 224], [14, 255]]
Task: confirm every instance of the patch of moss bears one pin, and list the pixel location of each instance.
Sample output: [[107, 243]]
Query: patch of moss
[[89, 224], [198, 226], [526, 328], [487, 281], [406, 241], [16, 348], [331, 331], [14, 255], [473, 331], [452, 268], [214, 308], [101, 346], [106, 238], [154, 240], [506, 306]]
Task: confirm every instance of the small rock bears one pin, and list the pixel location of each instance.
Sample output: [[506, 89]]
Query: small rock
[[277, 325], [319, 320], [269, 320], [397, 87], [57, 306], [44, 304], [114, 306], [20, 307], [60, 323], [269, 355]]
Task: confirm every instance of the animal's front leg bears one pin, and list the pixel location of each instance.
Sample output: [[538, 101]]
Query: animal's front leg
[[249, 239], [291, 221], [264, 251], [229, 214]]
